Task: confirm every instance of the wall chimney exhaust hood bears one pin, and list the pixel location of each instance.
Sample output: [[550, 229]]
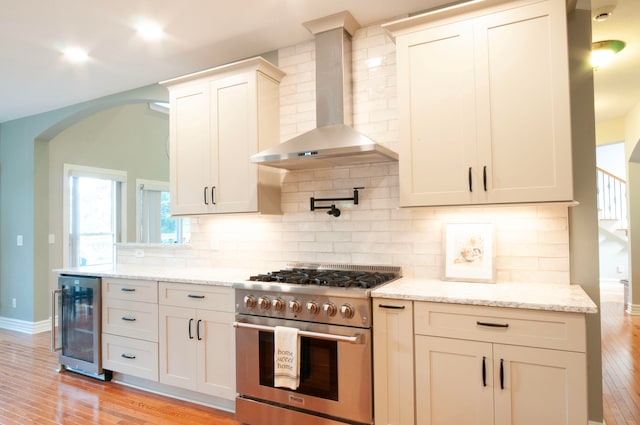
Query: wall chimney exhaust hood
[[334, 142]]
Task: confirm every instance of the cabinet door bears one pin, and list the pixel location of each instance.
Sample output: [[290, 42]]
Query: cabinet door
[[233, 127], [177, 346], [523, 104], [190, 151], [454, 381], [540, 386], [393, 362], [437, 116], [216, 354]]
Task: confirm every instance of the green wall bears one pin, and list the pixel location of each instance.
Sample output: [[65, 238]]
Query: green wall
[[24, 158], [131, 138]]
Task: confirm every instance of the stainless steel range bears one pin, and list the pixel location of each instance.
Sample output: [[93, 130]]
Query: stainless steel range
[[330, 307]]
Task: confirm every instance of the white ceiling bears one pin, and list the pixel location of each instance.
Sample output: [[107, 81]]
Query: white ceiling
[[617, 86], [200, 34]]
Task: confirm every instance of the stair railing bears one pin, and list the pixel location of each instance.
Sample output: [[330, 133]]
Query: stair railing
[[612, 197]]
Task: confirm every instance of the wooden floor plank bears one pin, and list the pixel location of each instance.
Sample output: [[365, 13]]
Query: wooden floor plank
[[32, 392], [620, 356]]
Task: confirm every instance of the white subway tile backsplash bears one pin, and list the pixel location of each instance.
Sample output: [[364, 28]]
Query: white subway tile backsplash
[[531, 242]]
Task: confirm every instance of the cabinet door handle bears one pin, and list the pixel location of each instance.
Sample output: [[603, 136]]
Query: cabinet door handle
[[492, 325], [484, 177], [128, 319], [206, 189], [484, 371], [213, 195], [470, 181], [391, 307], [502, 374], [127, 356], [190, 334], [198, 330], [196, 296], [128, 289]]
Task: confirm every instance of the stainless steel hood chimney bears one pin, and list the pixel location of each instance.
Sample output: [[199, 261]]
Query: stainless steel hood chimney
[[334, 142]]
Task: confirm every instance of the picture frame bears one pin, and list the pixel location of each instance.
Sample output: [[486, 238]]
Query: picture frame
[[469, 252]]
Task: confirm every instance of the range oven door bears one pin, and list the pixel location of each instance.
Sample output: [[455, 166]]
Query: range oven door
[[335, 368]]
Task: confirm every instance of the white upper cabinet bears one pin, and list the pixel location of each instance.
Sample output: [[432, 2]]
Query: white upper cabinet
[[218, 119], [484, 105]]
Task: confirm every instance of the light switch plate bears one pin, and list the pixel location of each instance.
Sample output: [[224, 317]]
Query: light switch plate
[[19, 240]]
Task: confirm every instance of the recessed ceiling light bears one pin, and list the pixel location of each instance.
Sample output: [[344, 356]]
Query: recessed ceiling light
[[603, 13], [149, 30], [75, 54]]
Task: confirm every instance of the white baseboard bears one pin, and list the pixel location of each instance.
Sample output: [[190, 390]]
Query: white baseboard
[[633, 309], [24, 326]]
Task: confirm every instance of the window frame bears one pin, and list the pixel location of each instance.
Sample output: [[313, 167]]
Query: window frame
[[71, 170]]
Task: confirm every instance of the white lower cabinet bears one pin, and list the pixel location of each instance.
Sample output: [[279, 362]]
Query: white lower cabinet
[[197, 339], [130, 327], [489, 365], [393, 361], [478, 365]]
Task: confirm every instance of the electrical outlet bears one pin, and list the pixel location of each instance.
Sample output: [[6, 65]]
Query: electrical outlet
[[139, 253], [13, 303], [52, 238], [618, 269], [19, 240]]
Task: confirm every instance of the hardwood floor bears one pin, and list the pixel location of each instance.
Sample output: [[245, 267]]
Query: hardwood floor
[[31, 392], [620, 359]]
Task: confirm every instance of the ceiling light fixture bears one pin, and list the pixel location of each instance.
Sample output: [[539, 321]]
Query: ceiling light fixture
[[603, 51], [149, 31], [75, 54]]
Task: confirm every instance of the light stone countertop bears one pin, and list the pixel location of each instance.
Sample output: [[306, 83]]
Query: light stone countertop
[[212, 276], [536, 296]]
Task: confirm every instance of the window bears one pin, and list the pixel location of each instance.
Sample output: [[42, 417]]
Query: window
[[94, 214], [154, 221]]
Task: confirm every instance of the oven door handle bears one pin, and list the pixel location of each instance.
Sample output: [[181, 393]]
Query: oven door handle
[[356, 339]]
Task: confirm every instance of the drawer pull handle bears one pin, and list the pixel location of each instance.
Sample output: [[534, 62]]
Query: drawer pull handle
[[493, 325], [200, 297], [190, 323], [484, 371], [198, 330], [128, 319], [502, 374], [391, 307], [128, 356], [484, 177], [128, 289]]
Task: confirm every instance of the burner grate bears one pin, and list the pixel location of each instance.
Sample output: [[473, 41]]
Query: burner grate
[[341, 276]]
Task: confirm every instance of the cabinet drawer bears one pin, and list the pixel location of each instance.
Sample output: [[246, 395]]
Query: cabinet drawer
[[131, 356], [131, 319], [208, 297], [545, 329], [129, 289]]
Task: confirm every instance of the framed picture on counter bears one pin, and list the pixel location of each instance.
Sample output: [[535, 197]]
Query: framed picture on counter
[[469, 252]]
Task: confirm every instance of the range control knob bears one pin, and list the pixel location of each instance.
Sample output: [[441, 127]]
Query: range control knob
[[295, 306], [249, 301], [264, 303], [346, 310], [278, 304], [312, 306], [330, 309]]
